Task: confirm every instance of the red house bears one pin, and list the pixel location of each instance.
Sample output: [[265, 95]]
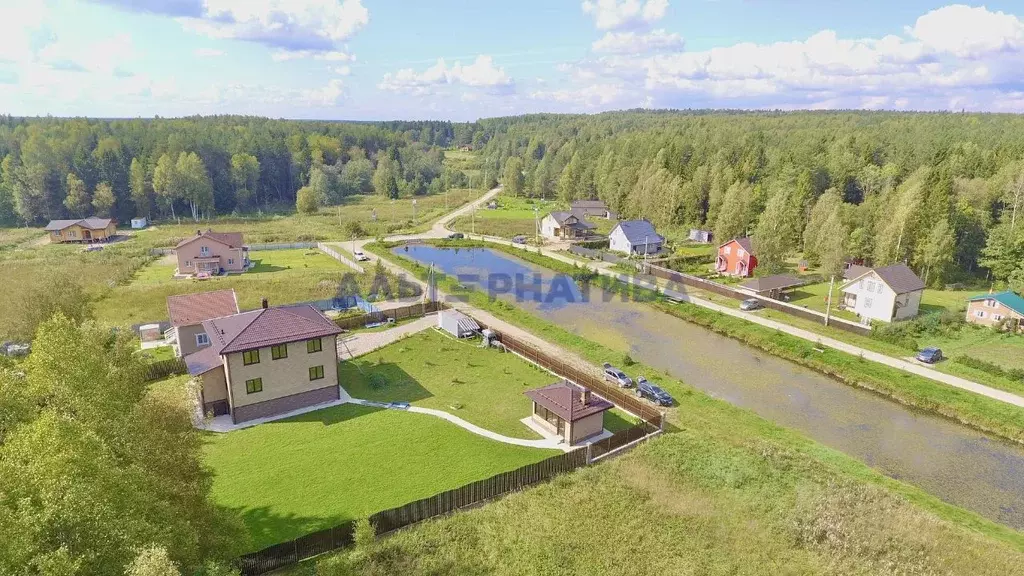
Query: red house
[[736, 258]]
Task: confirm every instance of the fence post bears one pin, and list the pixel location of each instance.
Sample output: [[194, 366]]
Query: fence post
[[589, 456]]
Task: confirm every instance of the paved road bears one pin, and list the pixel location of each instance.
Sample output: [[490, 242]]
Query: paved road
[[353, 345], [440, 230]]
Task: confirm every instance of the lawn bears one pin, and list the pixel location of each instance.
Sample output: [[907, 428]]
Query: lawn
[[302, 474], [481, 385], [815, 296], [281, 276], [512, 217]]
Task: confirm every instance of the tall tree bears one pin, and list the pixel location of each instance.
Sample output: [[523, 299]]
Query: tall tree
[[103, 200], [937, 253], [733, 216], [192, 184], [165, 182], [77, 201], [245, 175], [513, 179], [306, 201], [772, 236], [142, 194]]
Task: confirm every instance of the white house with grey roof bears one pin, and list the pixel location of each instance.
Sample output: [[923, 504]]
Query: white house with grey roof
[[885, 294], [635, 237]]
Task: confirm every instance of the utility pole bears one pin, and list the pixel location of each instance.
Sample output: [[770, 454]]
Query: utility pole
[[828, 307], [474, 218], [413, 211], [646, 248], [536, 225]]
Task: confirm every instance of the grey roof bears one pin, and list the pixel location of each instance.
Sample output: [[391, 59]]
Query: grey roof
[[562, 216], [774, 282], [465, 323], [588, 204], [855, 271], [899, 277], [92, 223], [639, 231]]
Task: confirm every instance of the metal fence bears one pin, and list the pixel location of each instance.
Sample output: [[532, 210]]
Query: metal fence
[[723, 290], [164, 368], [385, 521], [410, 311], [339, 257], [281, 246], [596, 254]]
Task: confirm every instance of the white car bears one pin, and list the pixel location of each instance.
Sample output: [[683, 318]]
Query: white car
[[360, 257]]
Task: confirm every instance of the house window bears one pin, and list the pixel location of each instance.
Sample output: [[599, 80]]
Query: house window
[[314, 345], [997, 317], [278, 352], [231, 261], [979, 313], [316, 373], [204, 251], [879, 288], [867, 302], [202, 339], [990, 303], [250, 357], [728, 250], [740, 253], [253, 386], [188, 263], [870, 287]]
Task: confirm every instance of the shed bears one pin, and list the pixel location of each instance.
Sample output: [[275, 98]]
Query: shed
[[456, 323], [702, 236], [772, 286], [569, 411], [150, 333], [139, 223]]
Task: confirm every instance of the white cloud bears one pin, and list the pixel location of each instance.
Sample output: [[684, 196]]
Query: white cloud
[[482, 73], [587, 97], [623, 14], [633, 43], [341, 70], [968, 32], [328, 55], [329, 95], [208, 52]]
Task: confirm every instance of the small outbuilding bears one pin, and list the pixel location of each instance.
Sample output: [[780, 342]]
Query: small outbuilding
[[456, 323], [570, 411], [702, 236], [139, 223], [772, 286]]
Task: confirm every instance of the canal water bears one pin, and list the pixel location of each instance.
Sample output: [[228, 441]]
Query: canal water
[[953, 462]]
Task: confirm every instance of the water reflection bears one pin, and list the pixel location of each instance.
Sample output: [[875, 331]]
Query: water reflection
[[956, 464]]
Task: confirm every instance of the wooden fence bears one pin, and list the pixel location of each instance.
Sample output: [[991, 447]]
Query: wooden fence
[[620, 439], [410, 311], [164, 368], [385, 521], [595, 254], [593, 381], [723, 290]]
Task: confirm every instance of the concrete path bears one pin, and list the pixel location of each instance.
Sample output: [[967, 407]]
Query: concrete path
[[547, 443], [351, 346]]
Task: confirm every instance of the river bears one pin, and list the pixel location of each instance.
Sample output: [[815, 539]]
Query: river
[[957, 464]]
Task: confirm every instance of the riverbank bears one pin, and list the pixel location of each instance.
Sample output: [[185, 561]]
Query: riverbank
[[979, 412], [696, 411]]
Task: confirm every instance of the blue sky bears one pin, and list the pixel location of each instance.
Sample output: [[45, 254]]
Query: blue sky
[[461, 60]]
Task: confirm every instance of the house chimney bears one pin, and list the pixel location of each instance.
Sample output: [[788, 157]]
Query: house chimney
[[585, 397], [265, 304], [199, 232]]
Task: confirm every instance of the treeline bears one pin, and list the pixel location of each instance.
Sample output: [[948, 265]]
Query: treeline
[[62, 168], [942, 192]]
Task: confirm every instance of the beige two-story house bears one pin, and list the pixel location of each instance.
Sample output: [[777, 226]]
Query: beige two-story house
[[187, 312], [210, 252], [267, 362]]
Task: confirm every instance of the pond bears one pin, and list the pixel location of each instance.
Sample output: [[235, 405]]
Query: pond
[[959, 465]]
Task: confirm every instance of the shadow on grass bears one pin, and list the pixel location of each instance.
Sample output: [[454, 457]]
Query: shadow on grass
[[260, 268], [267, 528], [613, 422], [328, 416], [386, 382]]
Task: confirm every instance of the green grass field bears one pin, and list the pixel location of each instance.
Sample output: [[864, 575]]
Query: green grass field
[[302, 474], [281, 276], [705, 500], [512, 217], [480, 385]]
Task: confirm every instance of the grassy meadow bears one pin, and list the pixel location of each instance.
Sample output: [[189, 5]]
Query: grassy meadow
[[480, 385], [512, 217], [294, 476]]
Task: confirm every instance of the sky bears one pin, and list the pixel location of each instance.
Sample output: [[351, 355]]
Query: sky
[[464, 59]]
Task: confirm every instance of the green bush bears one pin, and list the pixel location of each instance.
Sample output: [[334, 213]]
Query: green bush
[[990, 368], [365, 534], [907, 333]]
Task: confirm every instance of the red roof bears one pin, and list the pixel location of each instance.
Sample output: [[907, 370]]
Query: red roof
[[270, 326], [229, 239], [188, 309], [566, 401]]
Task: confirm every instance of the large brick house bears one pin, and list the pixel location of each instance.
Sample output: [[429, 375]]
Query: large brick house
[[187, 312], [266, 362], [211, 253], [736, 258], [1004, 309]]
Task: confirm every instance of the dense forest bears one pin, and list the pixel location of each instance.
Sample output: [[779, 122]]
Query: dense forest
[[200, 167], [939, 191]]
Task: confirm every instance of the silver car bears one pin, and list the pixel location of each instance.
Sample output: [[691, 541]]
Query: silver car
[[613, 374]]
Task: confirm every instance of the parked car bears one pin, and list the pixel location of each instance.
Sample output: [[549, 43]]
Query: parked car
[[929, 355], [360, 257], [613, 374], [456, 236], [750, 304], [519, 239], [645, 389]]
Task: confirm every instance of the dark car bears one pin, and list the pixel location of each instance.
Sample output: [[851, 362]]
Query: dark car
[[519, 239], [613, 374], [750, 304], [645, 389], [929, 355], [456, 236]]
